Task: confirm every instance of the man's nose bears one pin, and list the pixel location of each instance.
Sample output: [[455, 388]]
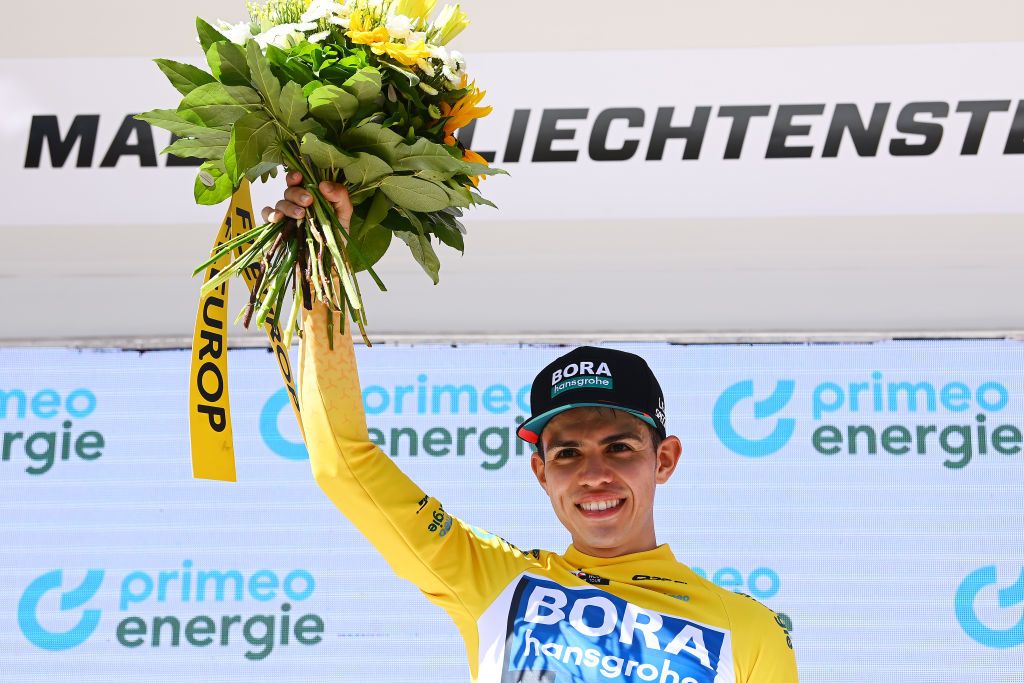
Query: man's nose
[[594, 471]]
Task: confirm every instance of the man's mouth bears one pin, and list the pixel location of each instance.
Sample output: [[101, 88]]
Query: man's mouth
[[600, 508]]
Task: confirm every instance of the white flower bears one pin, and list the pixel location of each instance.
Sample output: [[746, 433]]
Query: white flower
[[438, 52], [399, 26], [283, 36], [306, 26], [454, 67], [321, 9], [339, 21], [236, 33], [317, 37], [416, 37]]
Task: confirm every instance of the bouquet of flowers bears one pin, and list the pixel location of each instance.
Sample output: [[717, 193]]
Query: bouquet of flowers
[[362, 92]]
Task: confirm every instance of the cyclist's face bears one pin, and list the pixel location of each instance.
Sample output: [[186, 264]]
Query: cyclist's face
[[600, 470]]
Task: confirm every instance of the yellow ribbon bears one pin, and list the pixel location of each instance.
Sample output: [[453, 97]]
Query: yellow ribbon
[[212, 443]]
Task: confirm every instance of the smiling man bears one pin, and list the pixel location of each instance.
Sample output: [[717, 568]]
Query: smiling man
[[615, 606]]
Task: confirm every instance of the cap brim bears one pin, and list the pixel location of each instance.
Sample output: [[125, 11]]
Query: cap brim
[[530, 430]]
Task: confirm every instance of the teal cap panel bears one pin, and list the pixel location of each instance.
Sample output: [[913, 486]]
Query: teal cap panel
[[530, 430]]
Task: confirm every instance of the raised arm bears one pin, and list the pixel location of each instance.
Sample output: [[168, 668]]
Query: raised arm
[[458, 569]]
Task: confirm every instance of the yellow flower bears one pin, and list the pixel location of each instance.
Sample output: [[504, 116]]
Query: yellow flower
[[462, 112], [415, 9], [470, 155], [361, 31], [404, 54], [449, 24]]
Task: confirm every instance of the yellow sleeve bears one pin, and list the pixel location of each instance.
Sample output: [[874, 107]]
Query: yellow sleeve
[[457, 568], [761, 642]]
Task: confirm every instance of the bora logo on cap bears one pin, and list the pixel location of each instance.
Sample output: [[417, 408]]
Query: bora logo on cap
[[582, 375]]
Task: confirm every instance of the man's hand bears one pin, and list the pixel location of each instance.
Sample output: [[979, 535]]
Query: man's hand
[[297, 199]]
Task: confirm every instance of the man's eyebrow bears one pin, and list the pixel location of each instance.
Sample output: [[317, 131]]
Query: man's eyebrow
[[620, 436], [562, 443]]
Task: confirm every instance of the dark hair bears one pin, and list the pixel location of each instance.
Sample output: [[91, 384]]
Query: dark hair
[[656, 438]]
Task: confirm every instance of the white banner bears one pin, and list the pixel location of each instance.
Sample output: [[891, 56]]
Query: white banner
[[819, 131]]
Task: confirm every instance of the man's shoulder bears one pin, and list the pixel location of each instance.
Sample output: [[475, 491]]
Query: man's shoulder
[[743, 609]]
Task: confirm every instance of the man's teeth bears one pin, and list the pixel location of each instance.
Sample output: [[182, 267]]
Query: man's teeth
[[601, 505]]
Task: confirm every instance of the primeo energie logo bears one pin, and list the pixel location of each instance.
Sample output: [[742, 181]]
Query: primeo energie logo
[[872, 415], [182, 607], [984, 580], [402, 416], [39, 427]]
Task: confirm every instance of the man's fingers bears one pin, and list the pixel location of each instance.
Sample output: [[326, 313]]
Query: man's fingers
[[337, 195], [286, 208], [298, 196]]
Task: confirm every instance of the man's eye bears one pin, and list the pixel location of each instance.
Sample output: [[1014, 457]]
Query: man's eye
[[566, 453], [620, 447]]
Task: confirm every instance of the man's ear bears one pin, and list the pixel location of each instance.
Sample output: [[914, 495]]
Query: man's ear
[[667, 458], [537, 465]]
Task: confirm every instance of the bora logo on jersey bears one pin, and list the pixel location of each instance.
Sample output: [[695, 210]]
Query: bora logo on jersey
[[585, 634]]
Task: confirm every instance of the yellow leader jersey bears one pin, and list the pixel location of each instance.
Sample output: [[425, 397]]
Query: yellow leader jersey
[[528, 616]]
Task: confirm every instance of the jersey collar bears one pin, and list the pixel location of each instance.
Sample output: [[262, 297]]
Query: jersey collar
[[661, 553]]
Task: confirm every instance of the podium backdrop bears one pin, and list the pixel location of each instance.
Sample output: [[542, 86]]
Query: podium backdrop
[[869, 492]]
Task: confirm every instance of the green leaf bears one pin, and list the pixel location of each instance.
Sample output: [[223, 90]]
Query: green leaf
[[472, 168], [371, 243], [331, 103], [364, 85], [425, 155], [373, 138], [212, 184], [260, 169], [292, 68], [433, 176], [459, 195], [227, 62], [366, 169], [217, 105], [173, 121], [208, 35], [379, 208], [480, 201], [450, 235], [310, 87], [262, 77], [324, 155], [412, 78], [414, 194], [234, 173], [190, 147], [293, 106], [251, 136], [184, 77], [423, 251]]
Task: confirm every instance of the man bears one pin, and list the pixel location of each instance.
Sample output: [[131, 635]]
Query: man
[[616, 605]]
